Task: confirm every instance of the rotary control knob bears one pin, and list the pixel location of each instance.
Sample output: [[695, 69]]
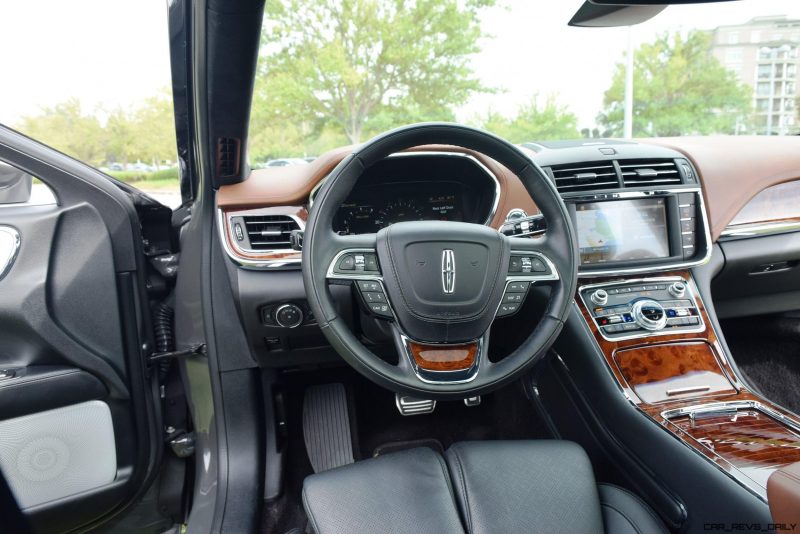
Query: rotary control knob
[[649, 314], [600, 297], [289, 316], [677, 290]]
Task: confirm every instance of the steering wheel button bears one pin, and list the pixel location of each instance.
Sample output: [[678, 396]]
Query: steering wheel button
[[518, 287], [369, 285], [515, 264], [370, 262], [380, 309], [526, 265], [372, 297], [507, 309], [538, 266], [513, 297], [359, 261], [347, 263]]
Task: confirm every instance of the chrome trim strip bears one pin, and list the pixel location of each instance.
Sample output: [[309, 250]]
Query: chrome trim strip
[[644, 194], [723, 407], [691, 296], [252, 263], [312, 195], [760, 229], [10, 242]]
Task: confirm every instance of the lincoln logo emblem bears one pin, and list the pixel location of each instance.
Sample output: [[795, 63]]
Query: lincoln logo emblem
[[448, 271]]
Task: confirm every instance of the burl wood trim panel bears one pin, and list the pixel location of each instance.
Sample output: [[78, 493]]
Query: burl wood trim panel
[[751, 443], [443, 357], [298, 211], [670, 371], [775, 442]]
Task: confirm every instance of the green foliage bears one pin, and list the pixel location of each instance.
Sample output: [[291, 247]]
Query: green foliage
[[680, 88], [66, 127], [357, 67], [534, 122], [145, 133]]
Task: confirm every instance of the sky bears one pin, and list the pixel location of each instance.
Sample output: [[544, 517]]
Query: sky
[[114, 53]]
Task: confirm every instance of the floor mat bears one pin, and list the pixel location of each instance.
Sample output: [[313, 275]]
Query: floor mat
[[767, 351], [326, 427]]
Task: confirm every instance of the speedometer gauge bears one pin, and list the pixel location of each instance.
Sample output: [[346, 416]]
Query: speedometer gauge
[[399, 210], [357, 219]]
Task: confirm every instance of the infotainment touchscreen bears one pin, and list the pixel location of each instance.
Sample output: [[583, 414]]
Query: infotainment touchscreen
[[622, 230]]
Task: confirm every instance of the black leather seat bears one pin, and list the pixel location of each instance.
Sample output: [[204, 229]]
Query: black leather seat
[[484, 487]]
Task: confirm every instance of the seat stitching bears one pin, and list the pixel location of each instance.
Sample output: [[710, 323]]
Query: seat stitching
[[641, 501], [620, 512], [467, 509], [310, 514]]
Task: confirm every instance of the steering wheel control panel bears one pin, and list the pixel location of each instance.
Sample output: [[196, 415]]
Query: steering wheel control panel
[[642, 308]]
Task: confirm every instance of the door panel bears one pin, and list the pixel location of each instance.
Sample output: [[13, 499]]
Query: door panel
[[79, 431]]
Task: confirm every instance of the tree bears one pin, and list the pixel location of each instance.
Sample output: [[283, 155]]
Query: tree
[[350, 63], [66, 128], [679, 88], [534, 122]]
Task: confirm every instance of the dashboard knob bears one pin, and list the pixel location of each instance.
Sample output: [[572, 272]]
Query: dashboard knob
[[677, 290], [649, 314], [289, 316], [600, 297]]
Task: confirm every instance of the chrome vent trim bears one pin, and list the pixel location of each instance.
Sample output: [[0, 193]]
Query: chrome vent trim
[[588, 176], [268, 232], [649, 172]]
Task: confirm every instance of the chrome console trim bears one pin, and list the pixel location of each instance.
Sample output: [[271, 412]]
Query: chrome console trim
[[690, 296], [760, 229]]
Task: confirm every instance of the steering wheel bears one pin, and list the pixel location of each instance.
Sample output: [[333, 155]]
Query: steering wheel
[[440, 284]]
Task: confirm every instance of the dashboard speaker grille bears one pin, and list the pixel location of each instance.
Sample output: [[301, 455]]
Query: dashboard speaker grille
[[646, 172], [269, 232], [588, 176]]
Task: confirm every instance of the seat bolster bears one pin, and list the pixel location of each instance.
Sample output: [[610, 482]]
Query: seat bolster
[[524, 486], [626, 513], [406, 492]]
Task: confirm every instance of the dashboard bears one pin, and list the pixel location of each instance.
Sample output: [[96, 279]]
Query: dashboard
[[419, 187]]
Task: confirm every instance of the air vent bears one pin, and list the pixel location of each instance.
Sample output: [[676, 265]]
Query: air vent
[[585, 176], [646, 172], [227, 157], [269, 232]]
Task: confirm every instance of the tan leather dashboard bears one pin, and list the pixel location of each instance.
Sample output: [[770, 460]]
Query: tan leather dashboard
[[733, 170]]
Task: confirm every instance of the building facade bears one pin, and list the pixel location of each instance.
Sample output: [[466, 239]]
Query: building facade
[[763, 53]]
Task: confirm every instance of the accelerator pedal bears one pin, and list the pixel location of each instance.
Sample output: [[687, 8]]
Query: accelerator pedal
[[326, 427]]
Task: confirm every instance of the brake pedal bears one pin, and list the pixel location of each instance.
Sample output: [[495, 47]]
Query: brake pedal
[[326, 427], [412, 405]]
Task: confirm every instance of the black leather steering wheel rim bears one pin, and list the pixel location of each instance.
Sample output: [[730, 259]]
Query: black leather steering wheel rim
[[321, 244]]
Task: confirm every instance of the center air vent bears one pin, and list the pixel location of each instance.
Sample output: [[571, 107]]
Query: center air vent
[[585, 176], [269, 232], [646, 172]]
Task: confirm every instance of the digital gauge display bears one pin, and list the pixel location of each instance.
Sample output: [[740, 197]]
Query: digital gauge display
[[377, 207]]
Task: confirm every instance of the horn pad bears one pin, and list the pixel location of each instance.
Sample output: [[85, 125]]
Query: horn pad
[[443, 279]]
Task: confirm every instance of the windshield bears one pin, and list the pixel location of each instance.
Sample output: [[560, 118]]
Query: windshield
[[336, 73]]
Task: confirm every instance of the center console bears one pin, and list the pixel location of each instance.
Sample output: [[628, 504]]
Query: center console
[[662, 349]]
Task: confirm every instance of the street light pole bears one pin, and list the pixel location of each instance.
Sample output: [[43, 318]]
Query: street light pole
[[628, 123]]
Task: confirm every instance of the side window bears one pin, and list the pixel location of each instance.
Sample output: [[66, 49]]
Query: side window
[[20, 188], [777, 203]]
